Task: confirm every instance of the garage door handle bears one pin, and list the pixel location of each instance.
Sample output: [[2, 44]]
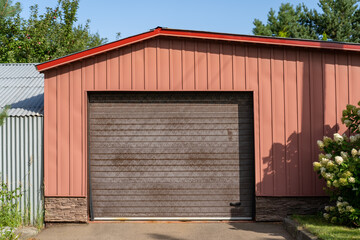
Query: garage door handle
[[235, 204]]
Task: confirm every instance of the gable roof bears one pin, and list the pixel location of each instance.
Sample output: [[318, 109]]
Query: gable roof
[[159, 31], [21, 87]]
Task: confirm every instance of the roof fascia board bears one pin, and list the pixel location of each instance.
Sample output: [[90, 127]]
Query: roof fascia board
[[262, 40], [97, 50]]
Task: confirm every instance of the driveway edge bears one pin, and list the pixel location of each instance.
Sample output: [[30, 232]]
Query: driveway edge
[[297, 231]]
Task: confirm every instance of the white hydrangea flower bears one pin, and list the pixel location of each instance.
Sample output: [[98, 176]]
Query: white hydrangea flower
[[351, 180], [338, 138], [320, 144], [339, 160], [329, 176], [324, 161], [322, 169], [350, 209], [344, 155], [332, 208], [354, 152], [340, 198], [326, 216], [347, 122], [330, 164], [327, 208], [329, 156], [343, 181], [327, 140], [347, 174], [339, 204], [316, 165], [352, 139]]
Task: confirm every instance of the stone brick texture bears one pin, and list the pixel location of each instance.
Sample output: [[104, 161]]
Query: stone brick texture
[[277, 208], [65, 209], [72, 209]]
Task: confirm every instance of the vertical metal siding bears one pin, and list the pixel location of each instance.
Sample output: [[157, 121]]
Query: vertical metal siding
[[21, 161], [298, 97]]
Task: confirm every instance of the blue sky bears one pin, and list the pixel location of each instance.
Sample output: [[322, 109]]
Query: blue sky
[[132, 17]]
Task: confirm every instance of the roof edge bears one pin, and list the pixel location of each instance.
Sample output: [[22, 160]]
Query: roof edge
[[96, 50], [159, 31]]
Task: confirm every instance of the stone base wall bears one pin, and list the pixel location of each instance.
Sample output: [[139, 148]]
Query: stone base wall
[[277, 208], [74, 209], [65, 209]]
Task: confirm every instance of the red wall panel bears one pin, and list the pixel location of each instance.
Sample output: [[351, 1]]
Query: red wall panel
[[278, 120], [304, 124]]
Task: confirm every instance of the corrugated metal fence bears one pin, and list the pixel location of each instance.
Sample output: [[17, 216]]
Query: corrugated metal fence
[[21, 161]]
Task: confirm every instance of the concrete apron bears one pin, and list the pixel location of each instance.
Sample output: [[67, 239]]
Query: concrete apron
[[168, 231]]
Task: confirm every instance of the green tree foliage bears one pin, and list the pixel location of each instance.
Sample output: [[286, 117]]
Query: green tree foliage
[[46, 36], [3, 114], [8, 9], [289, 22], [338, 20]]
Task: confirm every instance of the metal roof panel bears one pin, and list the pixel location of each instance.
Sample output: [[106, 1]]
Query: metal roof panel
[[21, 87]]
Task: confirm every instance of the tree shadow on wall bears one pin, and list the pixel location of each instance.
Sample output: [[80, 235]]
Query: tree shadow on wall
[[288, 171], [288, 168]]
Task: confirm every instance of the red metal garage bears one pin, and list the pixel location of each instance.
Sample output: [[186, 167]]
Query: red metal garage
[[175, 124]]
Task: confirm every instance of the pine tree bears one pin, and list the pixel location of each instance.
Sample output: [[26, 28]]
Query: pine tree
[[8, 9], [338, 20]]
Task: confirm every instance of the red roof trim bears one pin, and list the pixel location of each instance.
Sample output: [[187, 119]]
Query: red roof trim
[[93, 51], [263, 40], [196, 34]]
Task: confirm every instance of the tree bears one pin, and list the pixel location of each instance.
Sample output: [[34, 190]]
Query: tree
[[7, 9], [338, 20], [289, 22], [46, 36]]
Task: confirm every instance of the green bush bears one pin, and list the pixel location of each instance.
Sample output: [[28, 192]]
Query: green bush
[[339, 165], [10, 216], [8, 233]]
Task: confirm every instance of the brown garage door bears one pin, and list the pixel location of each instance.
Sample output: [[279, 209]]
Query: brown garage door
[[171, 155]]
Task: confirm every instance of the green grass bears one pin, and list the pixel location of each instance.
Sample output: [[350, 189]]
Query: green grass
[[325, 230]]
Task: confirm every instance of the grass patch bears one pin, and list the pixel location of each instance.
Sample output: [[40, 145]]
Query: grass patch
[[325, 230], [39, 222]]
